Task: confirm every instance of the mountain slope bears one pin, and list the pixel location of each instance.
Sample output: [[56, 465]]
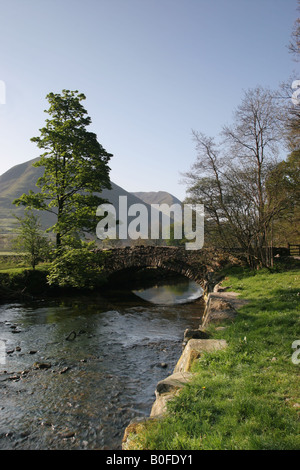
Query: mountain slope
[[157, 197], [22, 178], [13, 183]]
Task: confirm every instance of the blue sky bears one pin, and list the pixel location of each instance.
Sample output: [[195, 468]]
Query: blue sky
[[152, 70]]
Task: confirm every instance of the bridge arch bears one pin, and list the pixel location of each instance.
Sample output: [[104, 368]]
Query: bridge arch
[[191, 264]]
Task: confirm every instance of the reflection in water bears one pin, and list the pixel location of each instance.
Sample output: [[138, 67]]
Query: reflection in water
[[168, 294]]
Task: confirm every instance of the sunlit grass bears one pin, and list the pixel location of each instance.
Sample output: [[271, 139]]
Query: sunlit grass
[[246, 397]]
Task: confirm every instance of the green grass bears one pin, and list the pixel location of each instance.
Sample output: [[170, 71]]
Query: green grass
[[24, 267], [246, 397], [17, 281], [12, 260]]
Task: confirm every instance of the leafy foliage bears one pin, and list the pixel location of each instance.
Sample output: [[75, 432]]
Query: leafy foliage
[[31, 239], [77, 268]]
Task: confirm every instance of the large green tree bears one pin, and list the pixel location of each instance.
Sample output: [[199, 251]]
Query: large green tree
[[76, 168]]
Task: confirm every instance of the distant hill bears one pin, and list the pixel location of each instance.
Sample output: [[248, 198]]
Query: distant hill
[[22, 178], [157, 197], [13, 183]]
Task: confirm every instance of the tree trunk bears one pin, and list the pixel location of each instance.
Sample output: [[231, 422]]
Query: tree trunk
[[58, 240]]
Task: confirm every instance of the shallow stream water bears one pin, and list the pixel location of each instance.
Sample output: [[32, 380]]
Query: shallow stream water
[[76, 371]]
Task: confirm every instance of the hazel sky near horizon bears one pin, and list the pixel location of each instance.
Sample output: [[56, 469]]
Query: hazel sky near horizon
[[151, 70]]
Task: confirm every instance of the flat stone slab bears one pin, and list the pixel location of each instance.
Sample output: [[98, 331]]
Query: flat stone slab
[[159, 407], [172, 382], [221, 306], [167, 389], [231, 297], [194, 349]]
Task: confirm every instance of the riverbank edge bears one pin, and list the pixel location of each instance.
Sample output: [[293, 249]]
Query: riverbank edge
[[27, 284], [220, 305]]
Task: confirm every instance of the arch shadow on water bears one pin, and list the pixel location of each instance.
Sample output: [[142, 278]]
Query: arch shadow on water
[[155, 286]]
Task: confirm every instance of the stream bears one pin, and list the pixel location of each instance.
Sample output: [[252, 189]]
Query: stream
[[76, 371]]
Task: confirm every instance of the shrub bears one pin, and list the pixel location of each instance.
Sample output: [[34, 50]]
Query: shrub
[[80, 268]]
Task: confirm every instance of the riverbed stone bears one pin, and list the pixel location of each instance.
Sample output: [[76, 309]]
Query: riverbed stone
[[194, 349], [163, 365], [41, 365]]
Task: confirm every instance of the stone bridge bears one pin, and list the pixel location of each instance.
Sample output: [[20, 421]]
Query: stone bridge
[[194, 264]]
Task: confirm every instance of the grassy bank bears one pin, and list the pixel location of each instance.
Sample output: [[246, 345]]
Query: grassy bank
[[75, 271], [246, 397], [22, 282], [12, 260]]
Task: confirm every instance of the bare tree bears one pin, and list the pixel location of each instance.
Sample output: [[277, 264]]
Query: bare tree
[[230, 178], [253, 141], [294, 45]]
